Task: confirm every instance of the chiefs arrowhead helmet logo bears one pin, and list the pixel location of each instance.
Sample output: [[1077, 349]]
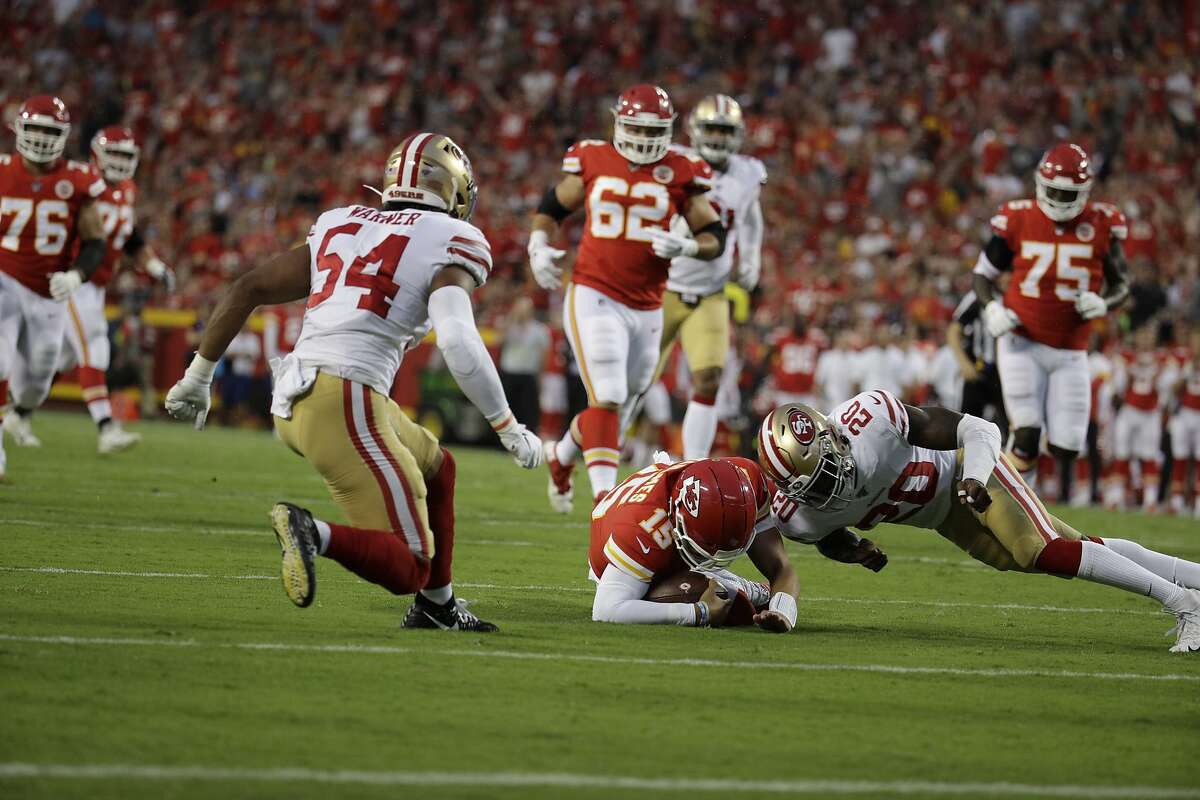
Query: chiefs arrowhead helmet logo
[[691, 495], [803, 428]]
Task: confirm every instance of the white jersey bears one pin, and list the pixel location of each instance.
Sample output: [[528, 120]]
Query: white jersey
[[734, 192], [895, 481], [371, 273]]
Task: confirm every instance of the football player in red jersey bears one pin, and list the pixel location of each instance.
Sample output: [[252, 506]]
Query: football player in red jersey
[[691, 515], [1143, 378], [115, 154], [1067, 267], [630, 189], [47, 204], [1185, 427]]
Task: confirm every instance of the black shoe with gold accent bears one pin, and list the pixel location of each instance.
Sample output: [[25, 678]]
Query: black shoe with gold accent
[[297, 537]]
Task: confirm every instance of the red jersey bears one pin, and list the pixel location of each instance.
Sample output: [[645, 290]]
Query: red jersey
[[631, 528], [115, 205], [626, 204], [1053, 263], [39, 217], [795, 368], [1143, 375], [1189, 390]]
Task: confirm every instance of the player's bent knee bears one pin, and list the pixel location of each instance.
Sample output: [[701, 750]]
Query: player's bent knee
[[706, 382], [1026, 552], [609, 393]]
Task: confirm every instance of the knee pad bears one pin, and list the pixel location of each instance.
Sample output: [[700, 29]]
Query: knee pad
[[705, 383], [1025, 443]]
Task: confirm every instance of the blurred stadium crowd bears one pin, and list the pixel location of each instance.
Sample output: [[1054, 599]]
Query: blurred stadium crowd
[[890, 130]]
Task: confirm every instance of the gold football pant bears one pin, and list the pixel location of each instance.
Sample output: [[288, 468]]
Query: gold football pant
[[1013, 530], [373, 458], [702, 330]]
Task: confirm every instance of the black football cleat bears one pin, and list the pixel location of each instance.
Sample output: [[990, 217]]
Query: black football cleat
[[297, 537], [453, 616]]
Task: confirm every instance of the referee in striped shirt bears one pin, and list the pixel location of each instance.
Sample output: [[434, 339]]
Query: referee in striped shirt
[[975, 352]]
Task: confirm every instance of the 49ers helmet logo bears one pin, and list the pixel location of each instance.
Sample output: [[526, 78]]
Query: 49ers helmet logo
[[803, 428], [691, 495]]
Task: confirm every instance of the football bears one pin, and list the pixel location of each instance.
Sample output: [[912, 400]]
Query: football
[[682, 587]]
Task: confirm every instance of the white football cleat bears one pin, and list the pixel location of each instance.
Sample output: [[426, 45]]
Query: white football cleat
[[3, 458], [560, 489], [20, 430], [1187, 625], [114, 439]]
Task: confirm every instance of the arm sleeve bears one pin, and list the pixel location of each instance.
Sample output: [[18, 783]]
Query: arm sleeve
[[619, 599], [750, 238], [463, 350]]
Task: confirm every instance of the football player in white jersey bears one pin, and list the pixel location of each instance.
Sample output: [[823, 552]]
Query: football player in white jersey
[[375, 279], [695, 309], [875, 459]]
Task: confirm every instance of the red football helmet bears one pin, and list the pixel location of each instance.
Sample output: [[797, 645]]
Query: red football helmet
[[116, 153], [42, 126], [642, 122], [1064, 180], [713, 510]]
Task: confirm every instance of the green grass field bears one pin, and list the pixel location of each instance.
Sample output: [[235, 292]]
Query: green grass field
[[147, 649]]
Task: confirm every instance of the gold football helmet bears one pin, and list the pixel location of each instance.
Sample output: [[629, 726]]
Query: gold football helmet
[[430, 169], [810, 462], [716, 128]]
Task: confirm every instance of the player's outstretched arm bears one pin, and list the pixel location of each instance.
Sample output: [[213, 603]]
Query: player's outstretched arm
[[939, 428], [92, 249], [559, 203], [769, 558], [469, 362], [847, 547], [750, 239], [281, 280], [619, 598]]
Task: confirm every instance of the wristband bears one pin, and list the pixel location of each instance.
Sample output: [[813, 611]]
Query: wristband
[[201, 368], [503, 421], [702, 614], [155, 268], [784, 605]]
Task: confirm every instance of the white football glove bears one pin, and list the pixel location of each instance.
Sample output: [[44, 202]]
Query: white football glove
[[669, 245], [1090, 305], [748, 275], [998, 319], [189, 399], [541, 260], [523, 444], [64, 284], [156, 268]]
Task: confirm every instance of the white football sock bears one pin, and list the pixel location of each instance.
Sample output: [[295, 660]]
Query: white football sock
[[699, 429], [100, 409], [1176, 570], [440, 595], [323, 534], [1101, 564], [602, 475], [567, 450]]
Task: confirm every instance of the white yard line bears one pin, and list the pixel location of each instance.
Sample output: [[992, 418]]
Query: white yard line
[[567, 780], [796, 666], [590, 589]]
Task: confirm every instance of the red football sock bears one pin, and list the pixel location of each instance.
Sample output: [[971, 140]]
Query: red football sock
[[1179, 473], [440, 502], [95, 393], [600, 434], [380, 557], [1061, 557], [3, 396], [1082, 468]]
